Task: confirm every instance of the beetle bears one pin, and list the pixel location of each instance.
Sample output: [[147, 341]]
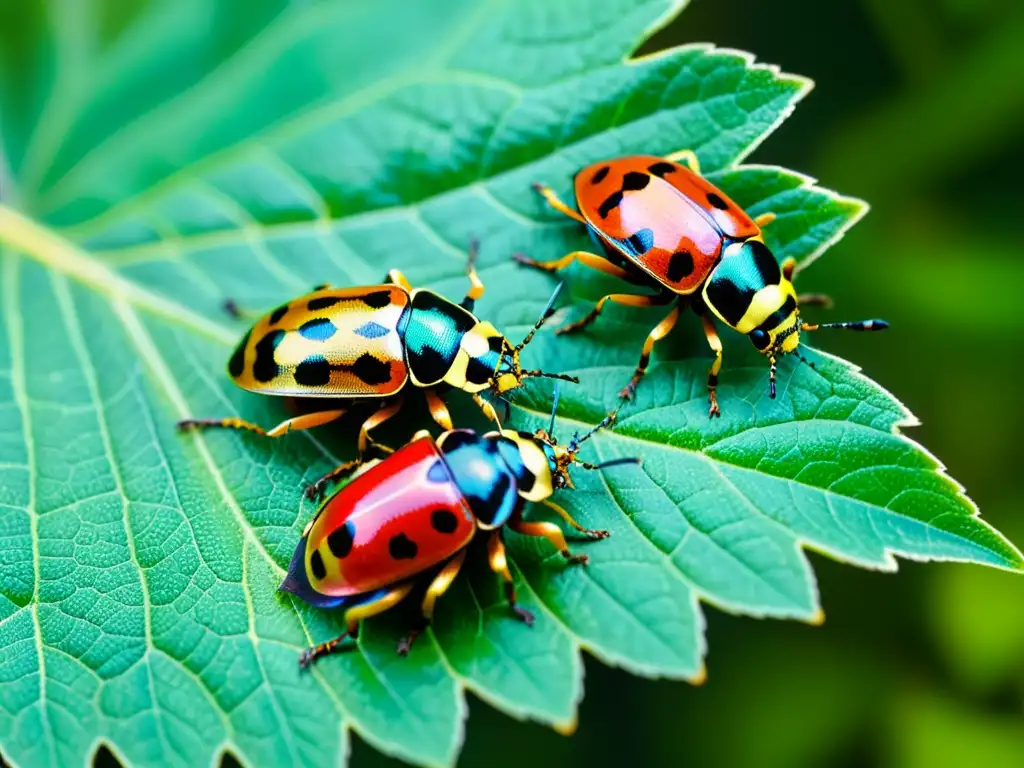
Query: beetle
[[663, 225], [372, 343], [409, 517]]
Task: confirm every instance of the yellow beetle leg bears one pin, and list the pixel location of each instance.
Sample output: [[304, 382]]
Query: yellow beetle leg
[[687, 157], [552, 533], [553, 200], [789, 268], [716, 346], [476, 286], [437, 587], [376, 419], [397, 278], [587, 259], [765, 219], [626, 299], [657, 334], [379, 603], [438, 410], [593, 533], [305, 421], [488, 409], [499, 564]]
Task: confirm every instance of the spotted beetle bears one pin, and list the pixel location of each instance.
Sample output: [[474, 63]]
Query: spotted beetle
[[372, 342], [662, 225], [411, 515]]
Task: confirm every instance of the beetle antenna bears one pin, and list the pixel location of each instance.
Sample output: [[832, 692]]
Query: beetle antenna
[[860, 325], [771, 378], [612, 462], [543, 375], [549, 310], [554, 410], [577, 441]]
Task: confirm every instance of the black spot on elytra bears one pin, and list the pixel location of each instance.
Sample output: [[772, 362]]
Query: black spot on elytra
[[264, 367], [277, 314], [635, 180], [314, 371], [600, 175], [340, 540], [317, 562], [236, 365], [371, 370], [641, 241], [437, 472], [377, 299], [680, 265], [662, 169], [610, 204], [717, 201], [322, 302], [320, 329], [444, 520], [401, 547]]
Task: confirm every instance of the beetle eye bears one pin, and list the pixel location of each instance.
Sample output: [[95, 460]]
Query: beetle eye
[[760, 339]]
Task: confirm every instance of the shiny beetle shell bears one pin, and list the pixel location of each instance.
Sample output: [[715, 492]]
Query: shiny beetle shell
[[391, 522], [329, 343], [661, 217]]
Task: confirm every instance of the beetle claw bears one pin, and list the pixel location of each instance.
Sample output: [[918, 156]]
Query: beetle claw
[[524, 615]]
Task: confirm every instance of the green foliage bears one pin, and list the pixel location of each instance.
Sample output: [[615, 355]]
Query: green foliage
[[159, 158]]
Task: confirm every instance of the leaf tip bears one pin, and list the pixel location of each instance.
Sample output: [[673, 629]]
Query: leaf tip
[[566, 727], [699, 677]]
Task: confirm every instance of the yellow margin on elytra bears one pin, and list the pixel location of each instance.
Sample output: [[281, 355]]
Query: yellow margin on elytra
[[39, 242]]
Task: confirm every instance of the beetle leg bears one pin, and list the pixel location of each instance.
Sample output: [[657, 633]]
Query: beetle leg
[[499, 564], [687, 157], [476, 286], [438, 410], [437, 587], [591, 532], [377, 602], [549, 531], [765, 219], [789, 268], [626, 299], [376, 419], [357, 466], [488, 409], [592, 260], [397, 278], [657, 334], [553, 200], [306, 421], [716, 346]]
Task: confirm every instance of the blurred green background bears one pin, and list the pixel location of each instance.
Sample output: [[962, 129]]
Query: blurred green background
[[919, 109]]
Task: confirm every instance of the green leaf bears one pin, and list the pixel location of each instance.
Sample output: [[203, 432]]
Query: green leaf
[[159, 157]]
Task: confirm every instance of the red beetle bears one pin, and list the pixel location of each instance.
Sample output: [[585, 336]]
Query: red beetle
[[410, 516]]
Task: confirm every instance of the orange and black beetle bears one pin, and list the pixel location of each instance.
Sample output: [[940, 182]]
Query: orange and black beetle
[[663, 225]]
